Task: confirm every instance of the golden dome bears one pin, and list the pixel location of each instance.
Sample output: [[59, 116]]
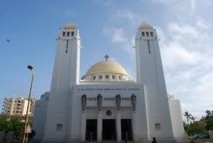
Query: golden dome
[[70, 26], [107, 67], [145, 26]]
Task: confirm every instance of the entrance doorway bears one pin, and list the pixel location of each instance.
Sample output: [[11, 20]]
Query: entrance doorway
[[109, 129], [91, 129], [126, 129]]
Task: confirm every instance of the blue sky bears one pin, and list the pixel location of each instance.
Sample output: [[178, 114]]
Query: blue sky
[[108, 27]]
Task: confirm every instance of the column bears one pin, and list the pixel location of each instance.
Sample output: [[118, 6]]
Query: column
[[83, 126], [118, 126], [99, 133]]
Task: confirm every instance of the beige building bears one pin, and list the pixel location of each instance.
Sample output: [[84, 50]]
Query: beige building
[[17, 106]]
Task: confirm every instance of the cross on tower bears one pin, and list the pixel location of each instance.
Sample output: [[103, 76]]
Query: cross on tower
[[106, 57]]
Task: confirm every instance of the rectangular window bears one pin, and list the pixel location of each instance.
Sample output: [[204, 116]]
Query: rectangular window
[[113, 77], [68, 34], [143, 34], [119, 77], [107, 76], [147, 34], [63, 34], [94, 77], [72, 34], [58, 127], [151, 34], [100, 76], [157, 126]]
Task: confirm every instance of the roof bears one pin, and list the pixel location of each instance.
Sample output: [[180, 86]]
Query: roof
[[70, 26], [145, 26], [106, 67]]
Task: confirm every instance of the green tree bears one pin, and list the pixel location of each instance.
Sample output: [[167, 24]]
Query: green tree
[[14, 125], [5, 125], [209, 124], [208, 114], [17, 126], [194, 128]]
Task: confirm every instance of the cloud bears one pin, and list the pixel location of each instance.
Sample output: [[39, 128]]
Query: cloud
[[105, 3], [176, 55], [193, 6], [128, 16], [116, 34], [118, 37], [187, 51], [179, 9], [165, 2], [185, 44]]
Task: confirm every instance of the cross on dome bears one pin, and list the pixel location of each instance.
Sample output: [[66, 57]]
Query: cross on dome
[[106, 57]]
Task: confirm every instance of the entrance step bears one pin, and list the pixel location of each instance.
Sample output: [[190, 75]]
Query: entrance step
[[113, 142]]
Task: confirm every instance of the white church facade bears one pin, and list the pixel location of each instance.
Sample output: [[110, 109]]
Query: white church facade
[[106, 104]]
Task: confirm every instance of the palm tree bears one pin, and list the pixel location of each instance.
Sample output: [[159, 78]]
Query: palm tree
[[192, 118], [208, 114], [188, 116]]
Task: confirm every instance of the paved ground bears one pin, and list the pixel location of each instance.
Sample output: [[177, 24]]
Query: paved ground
[[197, 141]]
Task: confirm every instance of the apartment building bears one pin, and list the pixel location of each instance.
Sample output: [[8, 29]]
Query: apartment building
[[18, 106]]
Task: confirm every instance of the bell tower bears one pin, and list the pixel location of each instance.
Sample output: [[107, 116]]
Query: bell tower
[[150, 77], [65, 76], [67, 59]]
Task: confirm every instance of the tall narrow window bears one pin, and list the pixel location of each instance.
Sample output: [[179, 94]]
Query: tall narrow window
[[157, 126], [147, 34], [58, 127], [67, 46], [151, 34], [148, 47], [113, 77], [143, 34], [94, 77], [72, 33], [63, 34], [68, 34], [119, 77]]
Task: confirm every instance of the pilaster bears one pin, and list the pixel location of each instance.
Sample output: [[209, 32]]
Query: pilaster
[[83, 126], [133, 125], [118, 126], [99, 126]]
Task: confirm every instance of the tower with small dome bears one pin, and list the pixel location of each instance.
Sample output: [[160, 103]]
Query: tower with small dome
[[106, 103]]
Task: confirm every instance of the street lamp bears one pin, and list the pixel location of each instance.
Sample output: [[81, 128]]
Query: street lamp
[[26, 124]]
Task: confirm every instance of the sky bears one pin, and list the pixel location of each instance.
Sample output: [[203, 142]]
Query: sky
[[28, 32]]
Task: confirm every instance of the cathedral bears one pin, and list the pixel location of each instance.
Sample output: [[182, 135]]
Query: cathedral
[[106, 103]]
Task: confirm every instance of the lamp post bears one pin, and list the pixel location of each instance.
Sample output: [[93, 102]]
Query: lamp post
[[26, 124]]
